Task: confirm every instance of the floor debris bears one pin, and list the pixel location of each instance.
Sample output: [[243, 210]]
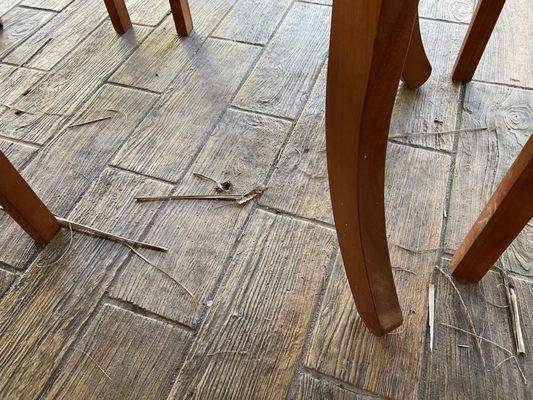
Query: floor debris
[[239, 199]]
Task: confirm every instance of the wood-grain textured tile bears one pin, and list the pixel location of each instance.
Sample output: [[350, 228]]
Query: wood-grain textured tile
[[138, 357], [6, 280], [252, 21], [14, 82], [253, 335], [19, 23], [40, 318], [18, 154], [341, 346], [56, 5], [173, 133], [507, 58], [299, 184], [67, 29], [60, 36], [457, 372], [310, 388], [66, 167], [433, 107], [450, 10], [278, 84], [164, 55], [241, 149], [483, 158], [55, 100], [7, 5]]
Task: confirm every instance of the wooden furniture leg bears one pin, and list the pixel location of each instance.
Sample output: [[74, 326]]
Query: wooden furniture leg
[[182, 16], [368, 46], [483, 21], [417, 68], [20, 201], [509, 209], [119, 15]]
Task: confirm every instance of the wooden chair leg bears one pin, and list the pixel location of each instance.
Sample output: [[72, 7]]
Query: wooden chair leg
[[20, 201], [119, 15], [483, 21], [509, 209], [417, 68], [182, 16], [369, 42]]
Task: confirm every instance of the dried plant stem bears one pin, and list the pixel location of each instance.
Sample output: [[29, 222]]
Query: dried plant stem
[[95, 363], [519, 337], [494, 344], [163, 272], [106, 235], [512, 299], [239, 198], [227, 197], [465, 309]]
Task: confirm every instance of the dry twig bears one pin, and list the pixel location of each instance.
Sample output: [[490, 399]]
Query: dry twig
[[465, 309], [239, 199], [106, 235], [163, 272]]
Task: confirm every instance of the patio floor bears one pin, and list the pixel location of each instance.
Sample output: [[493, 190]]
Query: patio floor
[[250, 301]]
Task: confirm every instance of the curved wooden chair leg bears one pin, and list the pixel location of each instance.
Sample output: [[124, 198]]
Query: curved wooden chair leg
[[369, 41], [118, 13], [22, 204], [483, 21], [182, 16], [417, 68]]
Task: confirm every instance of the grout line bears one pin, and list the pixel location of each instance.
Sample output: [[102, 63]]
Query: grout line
[[22, 66], [338, 382], [423, 381], [38, 8], [20, 142], [82, 330], [277, 211], [140, 89], [8, 268], [237, 41], [312, 323], [138, 310], [130, 171], [449, 21], [509, 85], [245, 110], [421, 147]]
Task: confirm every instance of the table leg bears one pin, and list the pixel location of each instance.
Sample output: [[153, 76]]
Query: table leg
[[22, 204], [509, 209], [483, 21]]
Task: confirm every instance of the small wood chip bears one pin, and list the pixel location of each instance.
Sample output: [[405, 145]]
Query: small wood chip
[[245, 198], [221, 187]]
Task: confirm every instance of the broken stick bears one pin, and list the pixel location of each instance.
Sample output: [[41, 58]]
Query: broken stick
[[106, 235], [72, 225]]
